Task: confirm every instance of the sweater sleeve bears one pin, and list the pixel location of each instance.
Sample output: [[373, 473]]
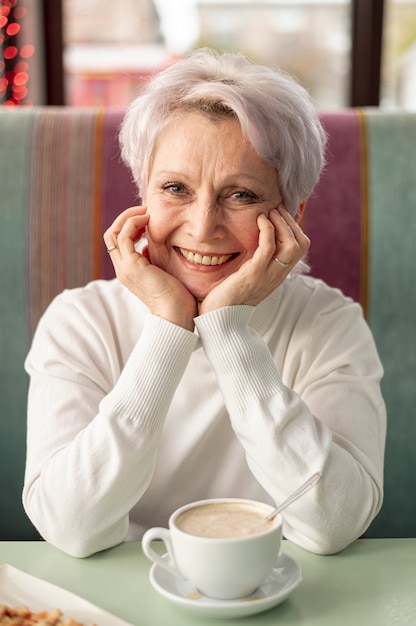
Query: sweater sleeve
[[328, 417], [93, 432]]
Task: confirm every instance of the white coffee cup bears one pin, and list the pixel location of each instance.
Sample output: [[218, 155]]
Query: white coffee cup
[[229, 565]]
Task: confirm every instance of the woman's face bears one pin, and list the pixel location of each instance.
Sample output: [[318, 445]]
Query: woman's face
[[205, 190]]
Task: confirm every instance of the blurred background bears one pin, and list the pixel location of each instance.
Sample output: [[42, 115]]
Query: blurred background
[[100, 52]]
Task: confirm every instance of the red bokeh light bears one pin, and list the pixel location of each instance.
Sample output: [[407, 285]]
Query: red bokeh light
[[10, 52], [21, 66], [20, 78], [27, 51], [14, 65], [20, 92], [13, 29], [19, 12]]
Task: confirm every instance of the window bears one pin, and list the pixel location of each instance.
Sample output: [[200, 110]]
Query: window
[[98, 52], [310, 39], [398, 76], [110, 49]]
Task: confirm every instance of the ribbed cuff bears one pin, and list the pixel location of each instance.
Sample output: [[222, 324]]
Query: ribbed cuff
[[153, 371], [244, 365]]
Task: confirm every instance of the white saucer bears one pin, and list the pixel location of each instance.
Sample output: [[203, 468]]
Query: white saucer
[[285, 577]]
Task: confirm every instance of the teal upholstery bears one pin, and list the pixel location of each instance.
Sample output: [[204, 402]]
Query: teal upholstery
[[61, 184]]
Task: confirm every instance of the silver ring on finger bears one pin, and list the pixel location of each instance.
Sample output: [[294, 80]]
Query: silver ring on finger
[[281, 263]]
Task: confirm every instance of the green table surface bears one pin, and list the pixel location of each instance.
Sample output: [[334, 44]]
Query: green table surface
[[373, 582]]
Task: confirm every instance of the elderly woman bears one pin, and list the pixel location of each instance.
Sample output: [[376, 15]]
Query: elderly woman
[[211, 366]]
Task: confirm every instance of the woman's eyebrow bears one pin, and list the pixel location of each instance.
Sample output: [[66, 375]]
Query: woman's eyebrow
[[231, 179]]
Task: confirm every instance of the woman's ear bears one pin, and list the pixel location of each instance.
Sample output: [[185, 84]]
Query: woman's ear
[[299, 212]]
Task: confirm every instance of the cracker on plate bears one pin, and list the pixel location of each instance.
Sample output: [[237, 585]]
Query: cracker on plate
[[23, 616]]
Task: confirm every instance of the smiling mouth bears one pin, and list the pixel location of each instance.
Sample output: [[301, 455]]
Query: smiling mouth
[[199, 259]]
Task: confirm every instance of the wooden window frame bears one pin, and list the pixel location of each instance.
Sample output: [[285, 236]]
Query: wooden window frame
[[54, 52], [366, 37]]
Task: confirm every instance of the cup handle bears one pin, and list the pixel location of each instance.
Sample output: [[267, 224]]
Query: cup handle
[[167, 562]]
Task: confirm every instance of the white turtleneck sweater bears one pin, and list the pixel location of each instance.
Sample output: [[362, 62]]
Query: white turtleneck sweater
[[131, 416]]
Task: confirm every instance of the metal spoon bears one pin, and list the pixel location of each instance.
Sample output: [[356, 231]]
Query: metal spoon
[[295, 495]]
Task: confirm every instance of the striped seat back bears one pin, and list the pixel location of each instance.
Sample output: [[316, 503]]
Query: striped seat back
[[61, 185]]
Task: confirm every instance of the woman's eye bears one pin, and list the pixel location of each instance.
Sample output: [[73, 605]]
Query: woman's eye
[[242, 197], [242, 200], [175, 188]]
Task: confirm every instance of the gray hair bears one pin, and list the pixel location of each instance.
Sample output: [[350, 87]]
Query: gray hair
[[275, 113]]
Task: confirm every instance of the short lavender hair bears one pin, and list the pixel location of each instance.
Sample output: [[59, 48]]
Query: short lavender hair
[[275, 113]]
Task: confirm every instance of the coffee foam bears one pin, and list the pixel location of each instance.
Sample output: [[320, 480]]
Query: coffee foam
[[224, 520]]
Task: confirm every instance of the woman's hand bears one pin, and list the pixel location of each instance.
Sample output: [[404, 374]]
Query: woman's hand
[[282, 243], [163, 294]]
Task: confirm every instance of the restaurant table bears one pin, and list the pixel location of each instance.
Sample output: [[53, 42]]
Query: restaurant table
[[371, 583]]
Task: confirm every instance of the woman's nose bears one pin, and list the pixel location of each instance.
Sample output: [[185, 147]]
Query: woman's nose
[[205, 220]]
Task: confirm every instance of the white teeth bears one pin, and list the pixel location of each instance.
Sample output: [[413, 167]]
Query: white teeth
[[198, 259]]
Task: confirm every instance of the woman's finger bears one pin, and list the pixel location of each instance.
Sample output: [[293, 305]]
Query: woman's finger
[[131, 232], [291, 241], [135, 218]]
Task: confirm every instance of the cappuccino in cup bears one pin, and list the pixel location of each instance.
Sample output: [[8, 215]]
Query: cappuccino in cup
[[224, 519], [222, 546]]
